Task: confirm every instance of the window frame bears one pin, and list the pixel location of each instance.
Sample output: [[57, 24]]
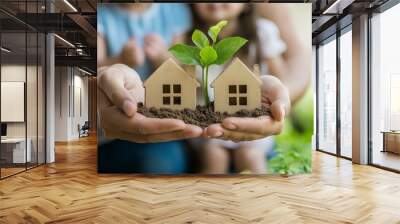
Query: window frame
[[379, 10], [173, 92], [42, 38], [235, 92], [334, 37]]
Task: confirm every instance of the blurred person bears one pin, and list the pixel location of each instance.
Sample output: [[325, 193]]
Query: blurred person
[[264, 47], [297, 57], [133, 40], [139, 34]]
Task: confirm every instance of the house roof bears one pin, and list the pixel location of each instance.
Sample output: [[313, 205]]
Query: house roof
[[238, 62], [170, 64]]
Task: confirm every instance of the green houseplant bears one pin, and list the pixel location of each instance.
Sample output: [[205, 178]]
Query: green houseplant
[[206, 53]]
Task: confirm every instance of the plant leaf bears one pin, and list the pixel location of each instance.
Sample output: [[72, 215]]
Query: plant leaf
[[214, 30], [200, 39], [186, 54], [227, 47], [208, 56]]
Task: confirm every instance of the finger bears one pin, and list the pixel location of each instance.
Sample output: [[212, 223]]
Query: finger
[[152, 37], [213, 131], [149, 49], [102, 100], [155, 42], [237, 136], [131, 41], [152, 48], [114, 120], [146, 125], [121, 98], [274, 90], [217, 131], [278, 110], [148, 40], [136, 48], [263, 125], [190, 131], [112, 82]]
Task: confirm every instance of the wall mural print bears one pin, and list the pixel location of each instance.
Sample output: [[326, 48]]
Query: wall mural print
[[205, 88]]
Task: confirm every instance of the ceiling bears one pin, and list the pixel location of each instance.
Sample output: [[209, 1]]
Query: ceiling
[[75, 21], [72, 20], [332, 15]]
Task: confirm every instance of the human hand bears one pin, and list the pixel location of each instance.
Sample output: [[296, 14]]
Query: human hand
[[120, 89], [274, 95], [155, 48], [132, 54]]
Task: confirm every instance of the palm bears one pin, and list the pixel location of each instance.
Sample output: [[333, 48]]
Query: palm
[[274, 96]]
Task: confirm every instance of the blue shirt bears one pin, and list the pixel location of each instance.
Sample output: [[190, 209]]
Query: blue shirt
[[117, 25]]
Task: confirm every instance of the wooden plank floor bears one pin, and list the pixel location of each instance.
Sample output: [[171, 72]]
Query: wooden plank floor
[[70, 191]]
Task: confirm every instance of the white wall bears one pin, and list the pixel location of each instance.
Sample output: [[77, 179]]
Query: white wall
[[34, 126], [16, 73], [13, 73], [61, 104], [71, 94]]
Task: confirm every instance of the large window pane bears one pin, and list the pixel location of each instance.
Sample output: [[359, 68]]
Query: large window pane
[[346, 94], [385, 83], [23, 90], [14, 153], [327, 97]]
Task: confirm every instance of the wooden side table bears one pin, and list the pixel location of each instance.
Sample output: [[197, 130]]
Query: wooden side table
[[391, 141]]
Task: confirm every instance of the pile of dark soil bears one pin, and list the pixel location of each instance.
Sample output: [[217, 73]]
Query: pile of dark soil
[[202, 116]]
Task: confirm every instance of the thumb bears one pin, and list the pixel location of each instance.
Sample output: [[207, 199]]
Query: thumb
[[123, 100], [278, 110], [112, 82]]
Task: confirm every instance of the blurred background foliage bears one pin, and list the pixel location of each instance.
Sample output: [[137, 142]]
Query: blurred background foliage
[[293, 146]]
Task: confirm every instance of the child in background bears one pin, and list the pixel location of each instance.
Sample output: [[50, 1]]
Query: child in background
[[265, 48], [140, 34]]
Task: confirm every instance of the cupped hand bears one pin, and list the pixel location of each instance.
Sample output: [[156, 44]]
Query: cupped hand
[[273, 95], [120, 89]]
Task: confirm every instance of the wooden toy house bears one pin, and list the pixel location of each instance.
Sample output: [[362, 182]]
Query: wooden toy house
[[237, 88], [170, 86]]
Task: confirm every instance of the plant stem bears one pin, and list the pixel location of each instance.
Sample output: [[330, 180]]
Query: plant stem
[[205, 85]]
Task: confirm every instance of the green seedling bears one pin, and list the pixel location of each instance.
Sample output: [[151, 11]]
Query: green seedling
[[205, 53]]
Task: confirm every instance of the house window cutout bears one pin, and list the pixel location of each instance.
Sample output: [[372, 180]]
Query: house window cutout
[[177, 88], [166, 88], [166, 100], [243, 101], [237, 97], [173, 97], [232, 101], [232, 89], [177, 100], [242, 88]]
